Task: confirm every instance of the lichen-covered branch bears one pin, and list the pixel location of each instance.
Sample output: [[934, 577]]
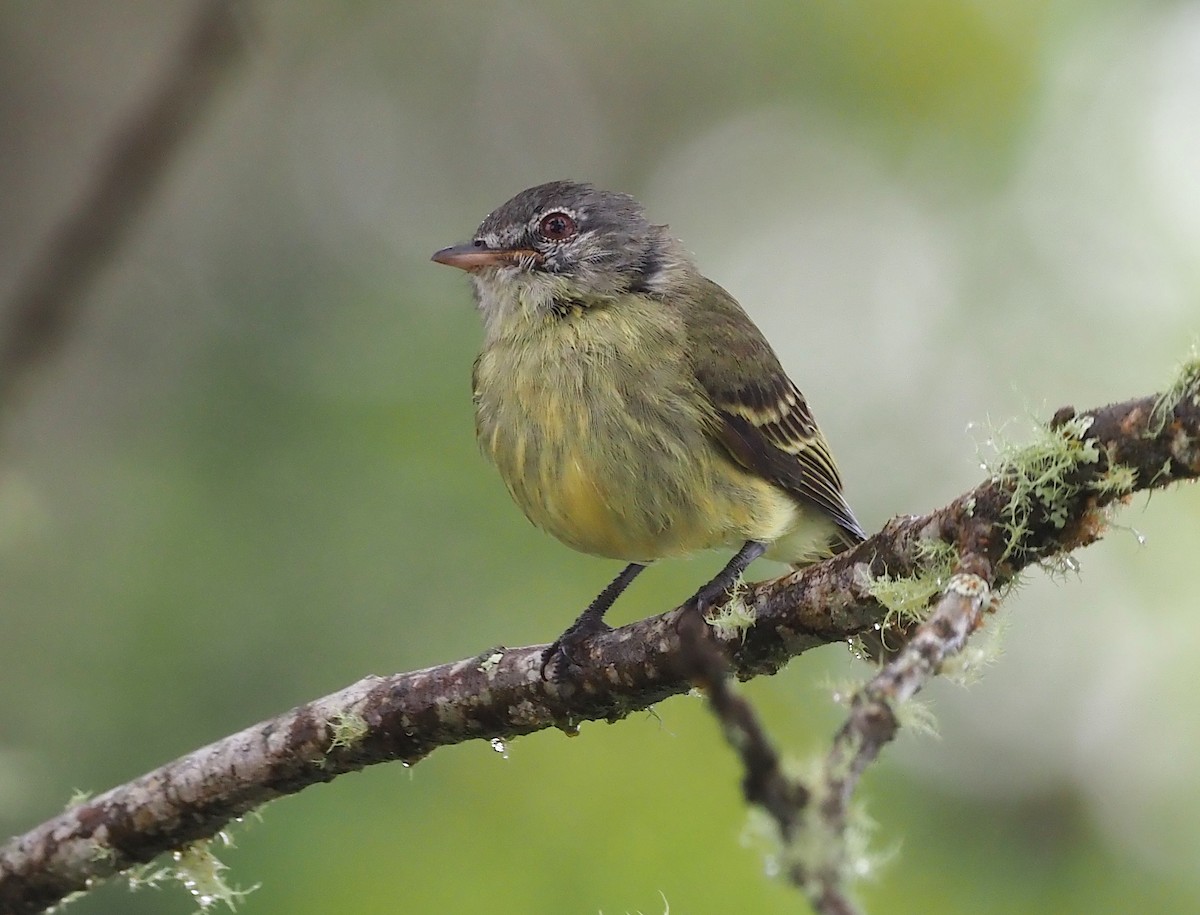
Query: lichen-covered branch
[[811, 816], [826, 873], [1042, 502]]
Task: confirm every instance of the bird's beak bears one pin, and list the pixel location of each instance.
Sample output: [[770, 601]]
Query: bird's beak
[[474, 255]]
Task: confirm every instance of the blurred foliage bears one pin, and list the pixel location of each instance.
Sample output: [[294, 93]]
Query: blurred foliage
[[250, 476]]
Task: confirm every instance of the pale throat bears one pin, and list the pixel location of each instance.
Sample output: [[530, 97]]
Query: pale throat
[[516, 305]]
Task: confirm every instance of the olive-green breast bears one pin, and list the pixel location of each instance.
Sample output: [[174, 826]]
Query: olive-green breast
[[597, 427]]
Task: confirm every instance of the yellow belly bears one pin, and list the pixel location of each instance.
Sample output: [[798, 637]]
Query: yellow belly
[[622, 490], [568, 503]]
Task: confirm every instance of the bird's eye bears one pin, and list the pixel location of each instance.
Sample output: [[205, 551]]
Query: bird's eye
[[556, 226]]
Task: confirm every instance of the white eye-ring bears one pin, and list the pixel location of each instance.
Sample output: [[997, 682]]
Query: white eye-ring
[[557, 225]]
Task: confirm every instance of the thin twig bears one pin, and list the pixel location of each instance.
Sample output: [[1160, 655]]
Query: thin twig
[[764, 783], [48, 301], [872, 724]]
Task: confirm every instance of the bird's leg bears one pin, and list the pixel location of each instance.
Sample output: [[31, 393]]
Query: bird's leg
[[716, 590], [591, 620]]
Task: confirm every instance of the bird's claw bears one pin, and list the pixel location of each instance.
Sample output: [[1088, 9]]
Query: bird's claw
[[564, 648], [711, 597]]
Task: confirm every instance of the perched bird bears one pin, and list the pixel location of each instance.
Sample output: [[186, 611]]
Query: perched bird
[[632, 408]]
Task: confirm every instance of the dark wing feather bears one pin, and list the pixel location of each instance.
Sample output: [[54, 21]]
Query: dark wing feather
[[763, 420], [780, 441]]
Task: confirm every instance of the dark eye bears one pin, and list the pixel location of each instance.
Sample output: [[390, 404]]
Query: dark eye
[[556, 226]]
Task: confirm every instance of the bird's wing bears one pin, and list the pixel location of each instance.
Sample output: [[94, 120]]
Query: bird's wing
[[763, 420]]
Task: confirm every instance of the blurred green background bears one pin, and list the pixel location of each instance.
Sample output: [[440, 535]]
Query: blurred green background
[[249, 477]]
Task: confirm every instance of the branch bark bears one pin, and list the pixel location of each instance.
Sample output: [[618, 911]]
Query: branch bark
[[1141, 444]]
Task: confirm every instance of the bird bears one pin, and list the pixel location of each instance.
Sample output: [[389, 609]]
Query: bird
[[631, 406]]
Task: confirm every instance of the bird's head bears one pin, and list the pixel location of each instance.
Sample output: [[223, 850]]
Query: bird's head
[[563, 242]]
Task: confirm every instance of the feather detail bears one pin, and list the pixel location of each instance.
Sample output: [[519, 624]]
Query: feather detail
[[762, 419], [780, 442]]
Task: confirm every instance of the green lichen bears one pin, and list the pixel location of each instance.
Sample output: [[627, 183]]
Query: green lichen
[[1040, 475], [1185, 385], [1163, 471], [734, 618], [857, 647], [198, 870], [916, 716], [841, 690], [78, 796], [907, 599], [1044, 476], [1117, 480], [347, 729]]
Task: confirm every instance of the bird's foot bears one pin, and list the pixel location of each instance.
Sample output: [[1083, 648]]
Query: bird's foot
[[718, 592], [713, 596], [562, 652]]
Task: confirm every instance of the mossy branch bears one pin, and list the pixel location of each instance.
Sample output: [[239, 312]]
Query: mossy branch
[[812, 831], [1003, 525]]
